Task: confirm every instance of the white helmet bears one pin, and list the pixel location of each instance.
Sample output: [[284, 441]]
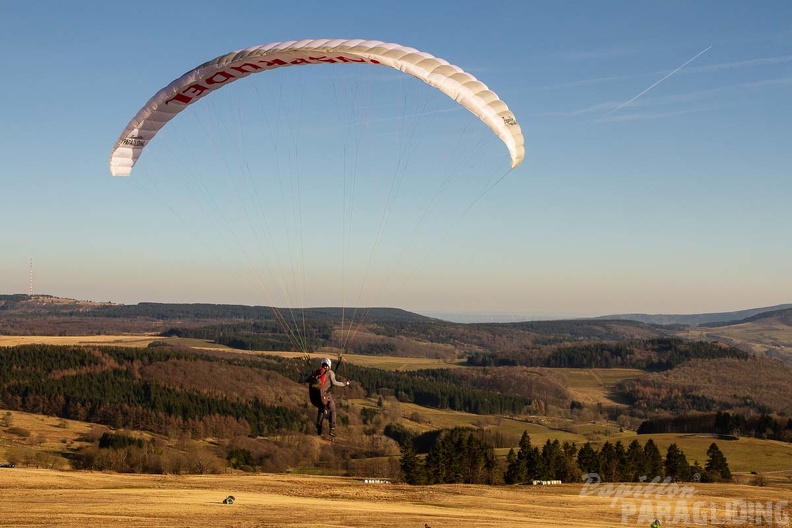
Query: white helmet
[[326, 361]]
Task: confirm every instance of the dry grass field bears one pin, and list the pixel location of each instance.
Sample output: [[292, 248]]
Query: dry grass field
[[596, 385], [72, 499], [105, 340], [35, 497], [379, 362]]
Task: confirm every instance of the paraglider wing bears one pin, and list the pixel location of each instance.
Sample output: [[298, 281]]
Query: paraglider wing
[[196, 84]]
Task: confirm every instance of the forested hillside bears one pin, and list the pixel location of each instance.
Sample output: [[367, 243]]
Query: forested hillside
[[161, 387], [253, 407], [750, 383], [647, 354]]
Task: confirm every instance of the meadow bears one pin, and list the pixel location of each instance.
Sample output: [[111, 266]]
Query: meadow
[[37, 497]]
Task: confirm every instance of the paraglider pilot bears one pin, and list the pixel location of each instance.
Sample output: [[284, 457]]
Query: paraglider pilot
[[320, 382]]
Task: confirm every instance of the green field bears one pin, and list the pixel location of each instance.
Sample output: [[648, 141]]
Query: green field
[[744, 454]]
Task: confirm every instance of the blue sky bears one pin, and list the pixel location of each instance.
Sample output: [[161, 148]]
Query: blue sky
[[646, 187]]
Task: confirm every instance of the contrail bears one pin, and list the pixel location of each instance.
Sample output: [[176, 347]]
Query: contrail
[[699, 54]]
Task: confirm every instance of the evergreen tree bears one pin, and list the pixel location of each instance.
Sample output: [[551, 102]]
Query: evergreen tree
[[551, 461], [411, 467], [676, 464], [493, 470], [528, 457], [570, 472], [723, 423], [588, 460], [654, 461], [717, 467], [635, 463], [457, 454], [621, 461], [475, 460], [437, 462], [515, 469], [460, 456], [609, 462]]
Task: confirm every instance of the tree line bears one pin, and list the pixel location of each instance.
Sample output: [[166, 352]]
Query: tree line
[[658, 354], [464, 456], [724, 423], [438, 388], [458, 456], [612, 462], [259, 335]]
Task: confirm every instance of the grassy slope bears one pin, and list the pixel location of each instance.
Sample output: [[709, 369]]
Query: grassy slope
[[431, 419], [47, 434], [54, 436], [595, 385], [743, 455]]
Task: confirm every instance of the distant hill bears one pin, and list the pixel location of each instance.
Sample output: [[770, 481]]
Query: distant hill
[[696, 319], [168, 311], [765, 334], [388, 331], [598, 329], [49, 315], [783, 317], [50, 305]]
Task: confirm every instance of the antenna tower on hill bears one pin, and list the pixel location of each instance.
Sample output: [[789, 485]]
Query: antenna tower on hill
[[30, 287]]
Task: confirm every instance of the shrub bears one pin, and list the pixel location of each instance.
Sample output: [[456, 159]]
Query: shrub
[[24, 433]]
